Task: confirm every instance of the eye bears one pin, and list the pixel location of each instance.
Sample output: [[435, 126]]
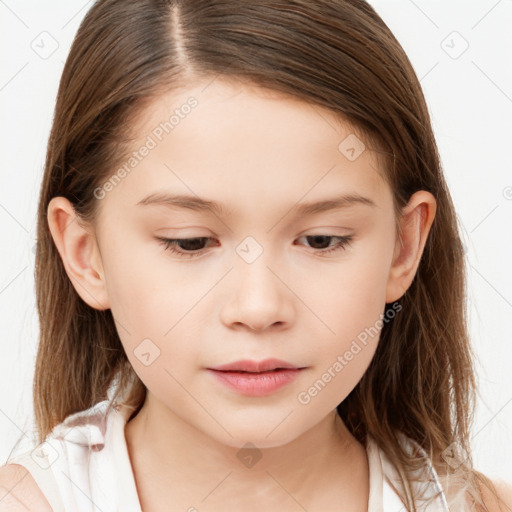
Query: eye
[[191, 244], [343, 242], [183, 246]]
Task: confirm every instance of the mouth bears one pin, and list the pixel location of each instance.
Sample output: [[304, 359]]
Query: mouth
[[248, 366], [253, 378], [257, 373]]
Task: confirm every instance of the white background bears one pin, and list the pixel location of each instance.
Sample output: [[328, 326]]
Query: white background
[[470, 101]]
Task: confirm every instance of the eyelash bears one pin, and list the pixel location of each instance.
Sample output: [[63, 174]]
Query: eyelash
[[171, 243]]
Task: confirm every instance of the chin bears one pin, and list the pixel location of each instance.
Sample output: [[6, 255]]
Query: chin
[[259, 435]]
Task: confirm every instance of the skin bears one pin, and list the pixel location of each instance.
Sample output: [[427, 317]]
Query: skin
[[259, 153]]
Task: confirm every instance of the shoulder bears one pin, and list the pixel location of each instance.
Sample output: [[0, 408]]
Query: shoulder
[[19, 491], [498, 499], [495, 493]]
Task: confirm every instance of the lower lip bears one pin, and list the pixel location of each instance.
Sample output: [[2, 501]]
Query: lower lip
[[257, 384]]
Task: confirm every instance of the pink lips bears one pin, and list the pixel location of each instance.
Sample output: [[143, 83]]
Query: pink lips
[[254, 378]]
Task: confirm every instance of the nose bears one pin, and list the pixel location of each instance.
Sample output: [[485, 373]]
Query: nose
[[260, 298]]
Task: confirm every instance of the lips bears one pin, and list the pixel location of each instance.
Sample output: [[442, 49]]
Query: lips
[[255, 366]]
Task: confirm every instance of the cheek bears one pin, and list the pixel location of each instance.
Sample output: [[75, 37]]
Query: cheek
[[150, 303], [152, 323], [349, 298], [352, 311], [146, 292], [349, 295]]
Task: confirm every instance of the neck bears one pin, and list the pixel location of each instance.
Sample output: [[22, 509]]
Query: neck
[[168, 449]]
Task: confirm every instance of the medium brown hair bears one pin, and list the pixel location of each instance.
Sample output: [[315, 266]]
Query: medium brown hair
[[336, 54]]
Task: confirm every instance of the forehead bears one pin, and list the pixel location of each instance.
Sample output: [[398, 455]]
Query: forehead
[[236, 142]]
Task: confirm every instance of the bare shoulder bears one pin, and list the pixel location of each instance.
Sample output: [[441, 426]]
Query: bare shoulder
[[500, 498], [19, 491]]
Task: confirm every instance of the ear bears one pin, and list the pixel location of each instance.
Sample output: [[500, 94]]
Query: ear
[[79, 252], [418, 216]]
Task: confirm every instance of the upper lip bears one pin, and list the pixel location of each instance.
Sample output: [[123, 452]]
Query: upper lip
[[254, 366]]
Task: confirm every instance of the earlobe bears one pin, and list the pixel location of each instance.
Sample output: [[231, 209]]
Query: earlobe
[[418, 216], [78, 249]]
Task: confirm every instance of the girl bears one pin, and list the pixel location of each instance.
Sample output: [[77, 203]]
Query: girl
[[249, 272]]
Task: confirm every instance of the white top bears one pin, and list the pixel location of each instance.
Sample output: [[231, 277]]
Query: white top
[[84, 466]]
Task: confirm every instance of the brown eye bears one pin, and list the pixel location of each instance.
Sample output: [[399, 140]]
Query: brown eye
[[191, 247], [187, 247], [322, 240]]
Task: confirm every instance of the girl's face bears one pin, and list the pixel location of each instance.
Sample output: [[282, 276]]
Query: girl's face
[[260, 285]]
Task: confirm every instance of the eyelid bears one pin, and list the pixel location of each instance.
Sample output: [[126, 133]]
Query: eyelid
[[170, 244]]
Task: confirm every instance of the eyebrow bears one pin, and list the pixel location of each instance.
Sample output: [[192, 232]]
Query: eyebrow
[[199, 204]]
